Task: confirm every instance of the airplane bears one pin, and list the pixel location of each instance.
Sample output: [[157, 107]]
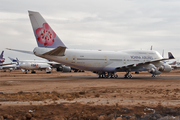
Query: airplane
[[8, 66], [174, 65], [26, 65], [103, 63]]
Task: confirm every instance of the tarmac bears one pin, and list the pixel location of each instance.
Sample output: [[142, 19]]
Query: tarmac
[[72, 95]]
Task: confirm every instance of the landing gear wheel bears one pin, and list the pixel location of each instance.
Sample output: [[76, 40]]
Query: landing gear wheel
[[153, 75], [106, 76], [127, 75], [130, 76], [33, 72]]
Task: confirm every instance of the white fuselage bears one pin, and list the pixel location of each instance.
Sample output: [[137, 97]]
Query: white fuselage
[[9, 67], [94, 60], [33, 65]]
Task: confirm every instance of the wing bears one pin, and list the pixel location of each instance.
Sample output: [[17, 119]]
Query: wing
[[7, 64], [54, 64], [130, 66]]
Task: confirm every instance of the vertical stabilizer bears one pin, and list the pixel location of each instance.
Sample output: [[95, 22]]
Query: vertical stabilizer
[[45, 36], [1, 58], [151, 47], [163, 53], [13, 60], [170, 55]]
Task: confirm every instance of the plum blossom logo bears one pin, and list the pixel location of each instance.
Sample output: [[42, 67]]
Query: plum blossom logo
[[45, 35]]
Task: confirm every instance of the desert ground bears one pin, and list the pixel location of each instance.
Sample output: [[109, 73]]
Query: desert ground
[[84, 96]]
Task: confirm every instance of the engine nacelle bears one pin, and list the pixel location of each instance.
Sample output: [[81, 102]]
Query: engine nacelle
[[154, 71], [64, 69], [48, 70], [165, 68]]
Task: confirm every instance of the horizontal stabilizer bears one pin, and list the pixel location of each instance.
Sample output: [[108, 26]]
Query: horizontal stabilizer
[[59, 51], [22, 51]]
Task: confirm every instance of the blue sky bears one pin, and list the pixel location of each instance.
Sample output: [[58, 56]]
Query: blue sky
[[81, 24]]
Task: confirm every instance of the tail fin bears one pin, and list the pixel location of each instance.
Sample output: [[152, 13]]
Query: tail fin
[[1, 56], [151, 47], [170, 55], [45, 36], [163, 53], [13, 60]]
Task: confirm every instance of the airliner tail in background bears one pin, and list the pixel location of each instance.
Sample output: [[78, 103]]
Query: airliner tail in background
[[1, 58]]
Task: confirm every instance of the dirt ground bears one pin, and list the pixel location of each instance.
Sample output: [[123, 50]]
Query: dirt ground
[[84, 96]]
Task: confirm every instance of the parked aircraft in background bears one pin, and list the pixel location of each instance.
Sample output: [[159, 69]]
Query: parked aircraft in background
[[174, 65], [8, 66], [26, 65]]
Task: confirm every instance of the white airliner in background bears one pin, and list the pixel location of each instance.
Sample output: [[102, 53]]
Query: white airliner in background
[[11, 67], [175, 65], [104, 63], [26, 65], [7, 66]]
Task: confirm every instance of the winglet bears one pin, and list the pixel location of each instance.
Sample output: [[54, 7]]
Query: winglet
[[170, 55]]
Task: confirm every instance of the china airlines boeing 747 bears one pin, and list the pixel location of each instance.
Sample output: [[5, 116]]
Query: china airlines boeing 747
[[104, 63]]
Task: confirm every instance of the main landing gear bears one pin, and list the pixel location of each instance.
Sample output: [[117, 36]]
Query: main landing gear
[[107, 75], [33, 72], [127, 75], [153, 75]]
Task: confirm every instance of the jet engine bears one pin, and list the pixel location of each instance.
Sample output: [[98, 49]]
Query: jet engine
[[153, 70], [66, 69], [165, 68], [63, 68], [48, 70]]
